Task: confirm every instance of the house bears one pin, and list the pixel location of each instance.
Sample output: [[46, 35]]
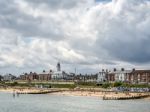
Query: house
[[32, 76], [139, 77], [101, 76], [24, 76], [110, 77], [86, 77], [29, 77], [45, 76], [58, 75], [8, 77], [118, 75], [69, 76]]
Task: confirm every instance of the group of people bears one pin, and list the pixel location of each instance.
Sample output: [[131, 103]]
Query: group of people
[[132, 89], [15, 93]]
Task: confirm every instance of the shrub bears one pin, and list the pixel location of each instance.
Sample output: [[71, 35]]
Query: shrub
[[117, 84], [86, 83], [106, 85]]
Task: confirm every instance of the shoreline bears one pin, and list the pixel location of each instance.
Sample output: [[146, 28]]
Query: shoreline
[[67, 92], [98, 94]]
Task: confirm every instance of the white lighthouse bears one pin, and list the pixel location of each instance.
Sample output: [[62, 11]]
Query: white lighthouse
[[58, 67]]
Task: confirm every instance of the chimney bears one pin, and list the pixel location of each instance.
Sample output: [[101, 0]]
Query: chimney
[[106, 70], [102, 70], [133, 69], [122, 69], [115, 69], [50, 70]]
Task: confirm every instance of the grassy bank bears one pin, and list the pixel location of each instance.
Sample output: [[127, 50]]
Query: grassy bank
[[72, 84]]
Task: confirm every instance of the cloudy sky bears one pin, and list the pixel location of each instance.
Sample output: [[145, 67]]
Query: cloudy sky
[[84, 34]]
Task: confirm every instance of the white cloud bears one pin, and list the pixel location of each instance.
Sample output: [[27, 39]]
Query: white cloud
[[37, 34]]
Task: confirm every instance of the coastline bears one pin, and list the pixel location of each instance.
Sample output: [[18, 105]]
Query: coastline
[[67, 92], [99, 94]]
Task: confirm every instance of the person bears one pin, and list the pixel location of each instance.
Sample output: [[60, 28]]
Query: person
[[17, 94], [13, 93]]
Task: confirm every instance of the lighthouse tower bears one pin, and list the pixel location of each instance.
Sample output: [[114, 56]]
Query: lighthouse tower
[[58, 67]]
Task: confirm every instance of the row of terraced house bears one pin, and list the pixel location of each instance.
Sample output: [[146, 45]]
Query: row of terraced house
[[122, 75], [57, 76], [128, 76]]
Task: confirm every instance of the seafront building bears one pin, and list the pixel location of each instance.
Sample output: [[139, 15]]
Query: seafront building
[[32, 76], [58, 75], [8, 77], [129, 76], [116, 75], [45, 75], [101, 76], [139, 77], [1, 77]]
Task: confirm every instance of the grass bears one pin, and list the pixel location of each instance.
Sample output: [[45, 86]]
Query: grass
[[73, 85]]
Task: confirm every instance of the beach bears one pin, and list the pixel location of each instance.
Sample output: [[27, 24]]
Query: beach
[[67, 92], [100, 94]]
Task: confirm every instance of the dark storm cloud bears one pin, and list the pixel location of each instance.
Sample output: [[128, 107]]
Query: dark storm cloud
[[125, 36], [13, 18], [57, 4], [133, 52]]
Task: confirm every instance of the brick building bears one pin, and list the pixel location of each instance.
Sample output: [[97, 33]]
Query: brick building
[[139, 76]]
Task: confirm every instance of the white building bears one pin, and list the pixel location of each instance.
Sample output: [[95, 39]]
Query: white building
[[101, 77], [8, 77], [58, 75], [121, 75]]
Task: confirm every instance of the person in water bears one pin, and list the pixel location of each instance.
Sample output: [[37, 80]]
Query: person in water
[[13, 93]]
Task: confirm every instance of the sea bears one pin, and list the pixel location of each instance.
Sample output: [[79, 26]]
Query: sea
[[60, 103]]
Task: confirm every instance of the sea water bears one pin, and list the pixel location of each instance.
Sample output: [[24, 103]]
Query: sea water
[[60, 103]]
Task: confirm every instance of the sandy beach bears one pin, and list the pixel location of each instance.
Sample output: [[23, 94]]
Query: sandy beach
[[25, 90], [98, 94], [80, 93], [73, 92]]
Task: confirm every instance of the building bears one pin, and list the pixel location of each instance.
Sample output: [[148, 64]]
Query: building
[[58, 67], [101, 76], [110, 77], [1, 77], [45, 76], [58, 75], [86, 77], [119, 75], [68, 76], [32, 76], [24, 76], [8, 77], [139, 77]]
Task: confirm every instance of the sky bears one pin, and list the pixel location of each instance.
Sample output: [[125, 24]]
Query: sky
[[88, 35]]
